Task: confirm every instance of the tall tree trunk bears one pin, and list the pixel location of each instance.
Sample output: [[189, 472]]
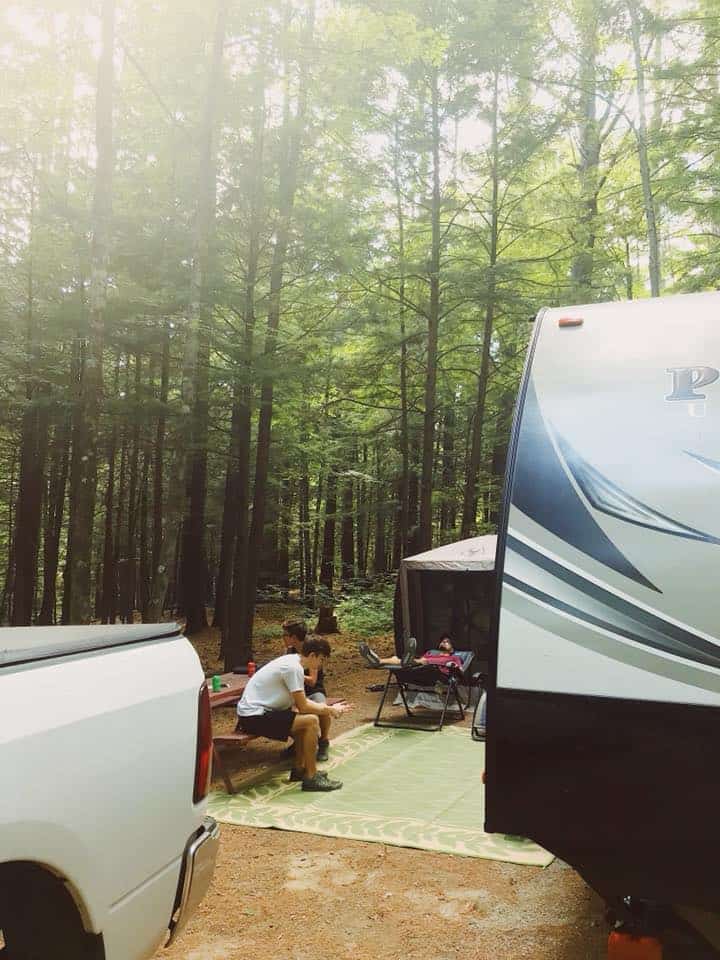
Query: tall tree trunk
[[589, 161], [319, 493], [128, 579], [404, 531], [236, 644], [197, 316], [84, 454], [286, 500], [114, 605], [308, 584], [447, 507], [426, 482], [290, 153], [229, 525], [362, 518], [193, 564], [473, 467], [327, 563], [33, 448], [6, 599], [641, 135], [55, 506], [158, 463], [144, 553], [413, 497], [347, 541], [107, 598], [500, 449]]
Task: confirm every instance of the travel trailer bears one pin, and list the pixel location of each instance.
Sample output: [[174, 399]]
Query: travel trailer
[[604, 683]]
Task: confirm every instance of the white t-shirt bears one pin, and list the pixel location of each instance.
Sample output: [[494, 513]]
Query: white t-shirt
[[272, 687]]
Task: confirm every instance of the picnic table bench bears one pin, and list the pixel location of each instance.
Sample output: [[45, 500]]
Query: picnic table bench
[[228, 696]]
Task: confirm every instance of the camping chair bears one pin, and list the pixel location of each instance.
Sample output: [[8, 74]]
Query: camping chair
[[425, 675]]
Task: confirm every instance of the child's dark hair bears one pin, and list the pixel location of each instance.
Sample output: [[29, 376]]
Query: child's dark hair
[[296, 629], [316, 645], [445, 636]]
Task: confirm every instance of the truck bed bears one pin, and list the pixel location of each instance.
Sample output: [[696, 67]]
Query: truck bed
[[20, 645]]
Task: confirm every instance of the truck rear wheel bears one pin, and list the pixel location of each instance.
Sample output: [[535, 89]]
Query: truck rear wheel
[[40, 920]]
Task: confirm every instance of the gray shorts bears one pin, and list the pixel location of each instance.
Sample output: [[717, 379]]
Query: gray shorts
[[318, 697]]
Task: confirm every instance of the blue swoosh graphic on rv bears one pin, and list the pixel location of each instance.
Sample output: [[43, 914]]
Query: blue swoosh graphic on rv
[[568, 591], [543, 491], [705, 461], [609, 498]]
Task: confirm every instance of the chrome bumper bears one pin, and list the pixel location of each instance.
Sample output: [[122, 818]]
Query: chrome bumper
[[196, 874]]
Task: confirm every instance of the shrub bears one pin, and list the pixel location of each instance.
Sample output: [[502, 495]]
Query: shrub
[[367, 612]]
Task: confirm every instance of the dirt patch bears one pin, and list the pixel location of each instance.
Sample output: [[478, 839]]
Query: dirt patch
[[286, 896]]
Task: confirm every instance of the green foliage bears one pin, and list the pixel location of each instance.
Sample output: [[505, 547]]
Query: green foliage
[[538, 201], [367, 612]]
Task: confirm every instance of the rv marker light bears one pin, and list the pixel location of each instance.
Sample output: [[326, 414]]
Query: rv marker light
[[570, 322]]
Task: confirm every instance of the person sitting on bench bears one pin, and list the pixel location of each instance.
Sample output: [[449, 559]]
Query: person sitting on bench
[[294, 633], [266, 710], [444, 659]]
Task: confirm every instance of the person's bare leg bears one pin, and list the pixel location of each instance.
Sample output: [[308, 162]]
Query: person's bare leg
[[310, 745], [325, 722], [306, 730]]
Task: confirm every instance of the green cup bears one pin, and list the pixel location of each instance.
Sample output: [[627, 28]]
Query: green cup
[[216, 684]]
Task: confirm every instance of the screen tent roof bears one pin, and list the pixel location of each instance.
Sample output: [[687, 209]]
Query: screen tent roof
[[475, 554]]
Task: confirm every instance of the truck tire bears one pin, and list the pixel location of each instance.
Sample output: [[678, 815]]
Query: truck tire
[[40, 920]]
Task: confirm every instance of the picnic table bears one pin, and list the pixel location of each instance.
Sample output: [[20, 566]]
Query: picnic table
[[232, 688]]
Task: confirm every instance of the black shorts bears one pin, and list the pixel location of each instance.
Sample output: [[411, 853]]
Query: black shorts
[[275, 724]]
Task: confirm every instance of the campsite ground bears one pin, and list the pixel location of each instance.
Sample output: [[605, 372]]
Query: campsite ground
[[288, 896]]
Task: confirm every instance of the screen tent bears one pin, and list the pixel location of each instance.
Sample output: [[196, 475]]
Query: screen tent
[[448, 589]]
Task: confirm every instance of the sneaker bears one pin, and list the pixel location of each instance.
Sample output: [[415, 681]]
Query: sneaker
[[323, 752], [321, 783], [408, 658], [369, 655], [296, 776]]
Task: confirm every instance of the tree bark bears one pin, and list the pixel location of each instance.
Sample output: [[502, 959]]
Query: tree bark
[[84, 453], [197, 311], [404, 532], [469, 514], [107, 595], [6, 599], [582, 268], [327, 563], [158, 464], [290, 152], [426, 482], [55, 507], [347, 540], [33, 449], [307, 585], [641, 136], [236, 644]]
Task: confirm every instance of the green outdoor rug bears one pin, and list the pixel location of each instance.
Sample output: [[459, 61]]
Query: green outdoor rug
[[401, 787]]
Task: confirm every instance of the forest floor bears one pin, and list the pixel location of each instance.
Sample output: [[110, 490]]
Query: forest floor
[[289, 896]]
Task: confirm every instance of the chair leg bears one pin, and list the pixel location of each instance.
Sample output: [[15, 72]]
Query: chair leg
[[382, 701], [456, 690], [220, 765], [445, 705], [401, 687]]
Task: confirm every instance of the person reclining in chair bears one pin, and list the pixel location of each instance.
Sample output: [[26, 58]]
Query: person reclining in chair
[[266, 710], [444, 659]]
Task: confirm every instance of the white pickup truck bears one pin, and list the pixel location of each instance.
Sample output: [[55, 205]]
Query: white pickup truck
[[105, 755]]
